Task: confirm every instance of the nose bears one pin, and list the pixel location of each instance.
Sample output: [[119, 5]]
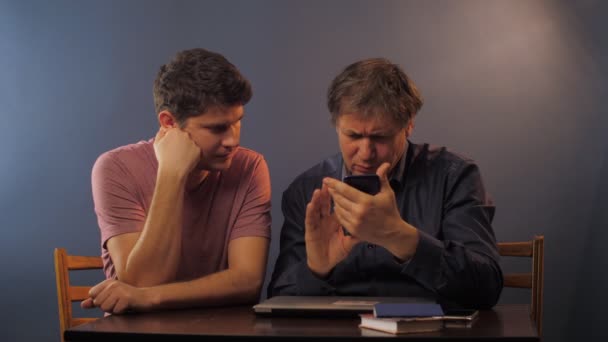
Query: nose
[[232, 136], [367, 149]]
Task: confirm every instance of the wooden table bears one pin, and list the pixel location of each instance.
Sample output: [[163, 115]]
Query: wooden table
[[505, 322]]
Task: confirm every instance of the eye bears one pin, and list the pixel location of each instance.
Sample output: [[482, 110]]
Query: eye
[[219, 129], [382, 138], [354, 136]]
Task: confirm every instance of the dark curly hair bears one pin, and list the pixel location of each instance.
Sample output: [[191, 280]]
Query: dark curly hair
[[374, 87], [196, 80]]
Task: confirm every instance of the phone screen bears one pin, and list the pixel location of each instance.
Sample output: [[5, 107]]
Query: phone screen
[[369, 184]]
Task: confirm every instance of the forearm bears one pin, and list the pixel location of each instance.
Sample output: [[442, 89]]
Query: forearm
[[299, 280], [291, 275], [402, 240], [460, 274], [155, 257], [222, 288]]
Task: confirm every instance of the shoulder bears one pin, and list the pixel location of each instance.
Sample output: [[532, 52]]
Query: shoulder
[[128, 158], [247, 161], [247, 167], [244, 155], [439, 158], [312, 178]]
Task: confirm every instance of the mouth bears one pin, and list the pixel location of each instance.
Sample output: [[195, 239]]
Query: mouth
[[224, 156], [360, 169]]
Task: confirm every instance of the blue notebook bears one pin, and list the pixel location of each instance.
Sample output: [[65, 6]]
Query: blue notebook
[[407, 310]]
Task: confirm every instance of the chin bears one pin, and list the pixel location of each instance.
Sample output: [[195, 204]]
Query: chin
[[220, 166]]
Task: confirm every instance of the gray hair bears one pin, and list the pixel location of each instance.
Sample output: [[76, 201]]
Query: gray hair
[[372, 88]]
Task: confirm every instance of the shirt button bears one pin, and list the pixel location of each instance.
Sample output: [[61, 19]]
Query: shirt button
[[371, 246]]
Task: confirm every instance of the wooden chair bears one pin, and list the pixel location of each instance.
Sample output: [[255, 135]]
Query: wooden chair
[[66, 293], [532, 280]]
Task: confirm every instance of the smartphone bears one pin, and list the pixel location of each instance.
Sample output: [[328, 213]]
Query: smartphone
[[370, 184], [466, 314]]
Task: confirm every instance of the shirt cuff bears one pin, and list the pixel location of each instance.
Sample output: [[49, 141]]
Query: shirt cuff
[[311, 285]]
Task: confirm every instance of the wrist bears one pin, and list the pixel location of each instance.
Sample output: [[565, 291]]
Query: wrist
[[152, 298], [403, 241], [319, 273], [171, 176]]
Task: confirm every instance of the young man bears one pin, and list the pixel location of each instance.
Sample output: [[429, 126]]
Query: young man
[[184, 217], [427, 233]]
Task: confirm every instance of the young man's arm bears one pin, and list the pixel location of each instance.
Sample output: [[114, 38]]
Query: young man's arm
[[150, 257], [239, 284]]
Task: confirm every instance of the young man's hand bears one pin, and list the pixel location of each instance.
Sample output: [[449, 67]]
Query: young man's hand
[[326, 244], [116, 297], [176, 152]]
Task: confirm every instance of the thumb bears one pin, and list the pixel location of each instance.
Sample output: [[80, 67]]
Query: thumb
[[87, 303], [382, 172]]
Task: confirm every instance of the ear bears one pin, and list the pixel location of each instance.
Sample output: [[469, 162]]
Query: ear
[[410, 128], [166, 119]]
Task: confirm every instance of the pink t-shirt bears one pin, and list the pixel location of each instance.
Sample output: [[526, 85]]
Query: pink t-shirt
[[229, 204]]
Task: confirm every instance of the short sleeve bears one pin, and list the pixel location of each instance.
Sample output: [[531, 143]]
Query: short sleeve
[[115, 198], [253, 218]]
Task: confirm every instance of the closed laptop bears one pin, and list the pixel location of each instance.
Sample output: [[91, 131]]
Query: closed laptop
[[327, 305]]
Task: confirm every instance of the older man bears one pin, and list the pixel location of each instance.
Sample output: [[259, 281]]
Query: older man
[[427, 233]]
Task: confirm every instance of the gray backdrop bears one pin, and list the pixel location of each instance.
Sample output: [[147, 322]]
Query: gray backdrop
[[519, 86]]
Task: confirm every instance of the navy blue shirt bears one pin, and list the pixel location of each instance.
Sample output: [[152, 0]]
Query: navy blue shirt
[[438, 192]]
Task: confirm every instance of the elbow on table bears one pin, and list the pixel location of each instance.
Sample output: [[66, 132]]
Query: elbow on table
[[497, 290], [250, 288], [488, 296], [255, 291]]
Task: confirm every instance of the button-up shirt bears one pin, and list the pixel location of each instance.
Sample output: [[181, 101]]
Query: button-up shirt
[[438, 192]]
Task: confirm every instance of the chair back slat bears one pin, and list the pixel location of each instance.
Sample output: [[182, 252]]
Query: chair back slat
[[83, 262], [519, 280], [515, 249], [79, 293]]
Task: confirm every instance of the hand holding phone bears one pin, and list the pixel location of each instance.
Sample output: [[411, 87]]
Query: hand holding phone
[[370, 184]]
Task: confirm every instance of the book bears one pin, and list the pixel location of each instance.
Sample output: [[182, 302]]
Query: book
[[402, 325], [383, 310]]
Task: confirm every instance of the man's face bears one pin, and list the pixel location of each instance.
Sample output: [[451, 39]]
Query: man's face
[[367, 143], [217, 133]]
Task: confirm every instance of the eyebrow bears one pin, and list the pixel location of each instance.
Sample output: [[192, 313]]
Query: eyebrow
[[223, 123], [372, 134]]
